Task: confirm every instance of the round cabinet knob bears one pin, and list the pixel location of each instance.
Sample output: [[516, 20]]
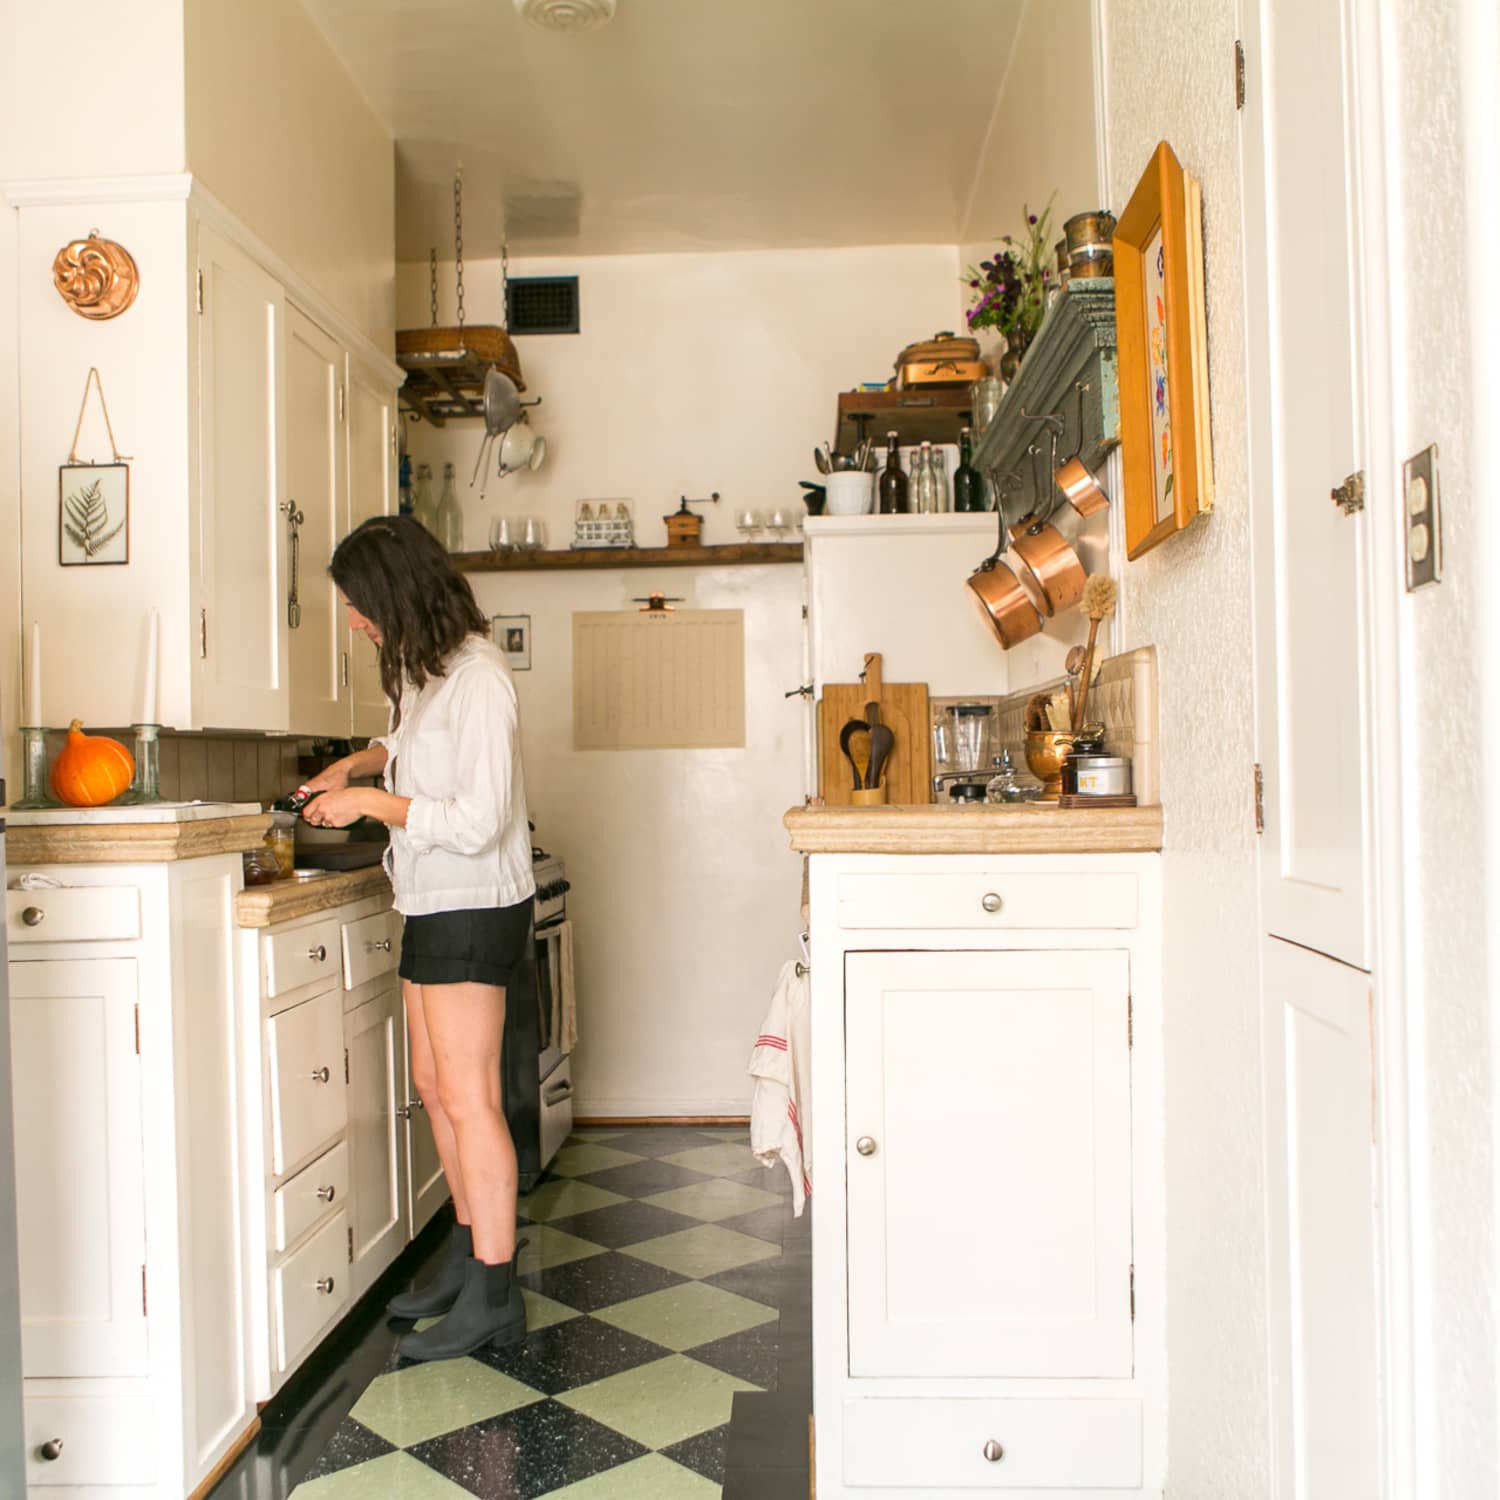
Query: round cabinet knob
[[865, 1145], [993, 1451], [320, 953], [403, 1112], [320, 1075], [33, 916], [418, 1104], [383, 946], [991, 902], [326, 1194], [51, 1450], [325, 1285]]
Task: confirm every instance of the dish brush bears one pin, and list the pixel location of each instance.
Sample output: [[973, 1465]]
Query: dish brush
[[1099, 596]]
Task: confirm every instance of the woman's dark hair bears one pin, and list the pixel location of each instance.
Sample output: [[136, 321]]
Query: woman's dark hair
[[395, 573]]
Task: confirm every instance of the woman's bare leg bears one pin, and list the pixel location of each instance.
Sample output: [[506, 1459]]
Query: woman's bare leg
[[424, 1076], [465, 1024]]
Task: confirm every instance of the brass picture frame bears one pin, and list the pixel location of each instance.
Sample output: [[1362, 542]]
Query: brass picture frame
[[1162, 357]]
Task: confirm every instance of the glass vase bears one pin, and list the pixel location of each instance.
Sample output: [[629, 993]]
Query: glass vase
[[146, 787], [34, 762]]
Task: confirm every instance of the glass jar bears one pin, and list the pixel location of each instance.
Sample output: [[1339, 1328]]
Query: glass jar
[[984, 402], [281, 839], [260, 866]]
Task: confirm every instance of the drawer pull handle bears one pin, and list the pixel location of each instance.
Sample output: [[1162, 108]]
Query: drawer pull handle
[[320, 953], [403, 1112], [320, 1075], [993, 1451], [325, 1285], [991, 902], [418, 1104], [51, 1450], [326, 1194], [33, 916], [383, 946], [865, 1145]]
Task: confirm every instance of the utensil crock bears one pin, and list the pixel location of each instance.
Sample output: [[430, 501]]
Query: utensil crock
[[1046, 750]]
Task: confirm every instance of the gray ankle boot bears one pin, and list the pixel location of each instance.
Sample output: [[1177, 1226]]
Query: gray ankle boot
[[488, 1310], [441, 1292]]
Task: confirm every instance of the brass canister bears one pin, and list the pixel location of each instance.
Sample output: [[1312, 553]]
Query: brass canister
[[1090, 240]]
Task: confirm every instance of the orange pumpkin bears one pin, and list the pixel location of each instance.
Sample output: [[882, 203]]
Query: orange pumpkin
[[91, 770]]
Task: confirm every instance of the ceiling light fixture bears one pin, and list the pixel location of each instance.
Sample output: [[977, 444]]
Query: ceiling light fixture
[[566, 15]]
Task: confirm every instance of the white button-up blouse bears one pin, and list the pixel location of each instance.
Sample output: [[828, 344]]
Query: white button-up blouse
[[457, 755]]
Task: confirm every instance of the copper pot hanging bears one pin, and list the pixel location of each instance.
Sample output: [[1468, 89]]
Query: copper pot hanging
[[1002, 601]]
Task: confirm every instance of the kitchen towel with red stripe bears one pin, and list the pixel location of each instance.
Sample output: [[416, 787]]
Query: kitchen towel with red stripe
[[780, 1064]]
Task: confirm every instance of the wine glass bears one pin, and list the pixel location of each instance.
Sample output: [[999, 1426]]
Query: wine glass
[[777, 524], [500, 538], [748, 521]]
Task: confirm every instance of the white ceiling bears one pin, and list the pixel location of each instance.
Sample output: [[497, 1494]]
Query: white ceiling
[[681, 125]]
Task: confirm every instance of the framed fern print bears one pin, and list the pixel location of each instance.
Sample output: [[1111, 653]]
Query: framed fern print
[[93, 522]]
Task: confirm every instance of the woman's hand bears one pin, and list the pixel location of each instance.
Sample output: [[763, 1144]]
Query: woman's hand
[[338, 807], [332, 778]]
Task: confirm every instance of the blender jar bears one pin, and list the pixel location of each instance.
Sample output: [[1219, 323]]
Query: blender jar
[[970, 735]]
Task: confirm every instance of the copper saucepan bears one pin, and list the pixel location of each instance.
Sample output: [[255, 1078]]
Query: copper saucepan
[[1048, 568], [1081, 489], [1004, 603]]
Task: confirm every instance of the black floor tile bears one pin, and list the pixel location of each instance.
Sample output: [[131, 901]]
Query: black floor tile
[[624, 1224], [353, 1443], [752, 1355], [527, 1452], [772, 1179], [600, 1281], [567, 1355], [764, 1223], [659, 1140], [637, 1179], [703, 1454]]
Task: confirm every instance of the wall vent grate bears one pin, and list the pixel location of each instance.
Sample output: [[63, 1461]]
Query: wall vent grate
[[541, 304]]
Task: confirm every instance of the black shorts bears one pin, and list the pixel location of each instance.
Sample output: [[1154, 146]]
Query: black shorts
[[454, 947]]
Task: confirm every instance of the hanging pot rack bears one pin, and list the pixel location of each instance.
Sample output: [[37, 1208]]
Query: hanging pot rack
[[445, 366]]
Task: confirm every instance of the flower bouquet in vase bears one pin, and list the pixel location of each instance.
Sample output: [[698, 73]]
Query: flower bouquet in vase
[[1010, 289]]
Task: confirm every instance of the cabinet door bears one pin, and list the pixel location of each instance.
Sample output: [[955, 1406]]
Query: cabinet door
[[988, 1164], [373, 1035], [80, 1174], [315, 454], [428, 1185], [242, 682], [372, 481]]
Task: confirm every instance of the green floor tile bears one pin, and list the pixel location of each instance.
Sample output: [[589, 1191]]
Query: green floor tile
[[561, 1200], [551, 1247], [396, 1476], [409, 1405], [649, 1478], [728, 1159], [718, 1198], [703, 1251], [543, 1312], [579, 1157], [660, 1403], [594, 1133], [684, 1316]]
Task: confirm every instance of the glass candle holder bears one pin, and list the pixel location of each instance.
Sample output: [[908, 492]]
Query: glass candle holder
[[34, 762], [146, 787]]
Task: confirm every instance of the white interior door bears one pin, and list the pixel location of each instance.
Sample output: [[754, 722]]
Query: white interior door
[[80, 1174], [1320, 1225], [315, 456], [242, 678], [1305, 440], [373, 1035], [372, 479], [988, 1164]]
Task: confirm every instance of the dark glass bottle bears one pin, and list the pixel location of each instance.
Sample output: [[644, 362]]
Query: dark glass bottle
[[893, 491], [968, 485]]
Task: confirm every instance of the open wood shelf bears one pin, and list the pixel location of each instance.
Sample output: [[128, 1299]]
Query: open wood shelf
[[919, 415], [736, 554]]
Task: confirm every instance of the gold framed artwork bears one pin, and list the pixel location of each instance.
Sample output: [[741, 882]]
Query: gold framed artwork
[[1163, 366]]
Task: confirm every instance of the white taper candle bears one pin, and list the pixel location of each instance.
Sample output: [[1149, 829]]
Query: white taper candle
[[148, 700], [34, 679]]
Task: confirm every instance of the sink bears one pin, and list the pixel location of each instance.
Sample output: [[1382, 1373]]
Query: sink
[[310, 874]]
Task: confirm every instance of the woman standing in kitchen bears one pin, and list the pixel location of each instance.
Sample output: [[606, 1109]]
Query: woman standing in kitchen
[[460, 864]]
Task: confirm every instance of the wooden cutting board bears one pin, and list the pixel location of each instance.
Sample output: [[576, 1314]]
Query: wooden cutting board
[[904, 707]]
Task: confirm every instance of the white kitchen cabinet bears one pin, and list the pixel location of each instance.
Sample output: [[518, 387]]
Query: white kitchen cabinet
[[427, 1186], [125, 1067], [371, 464], [374, 1034], [986, 1150]]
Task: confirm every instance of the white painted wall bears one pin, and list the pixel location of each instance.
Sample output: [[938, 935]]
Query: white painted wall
[[692, 373], [1191, 598], [278, 132], [10, 517]]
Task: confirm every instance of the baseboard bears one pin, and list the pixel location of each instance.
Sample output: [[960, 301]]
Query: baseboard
[[226, 1462], [624, 1107]]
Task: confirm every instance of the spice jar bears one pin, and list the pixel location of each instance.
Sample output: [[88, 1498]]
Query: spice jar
[[260, 866]]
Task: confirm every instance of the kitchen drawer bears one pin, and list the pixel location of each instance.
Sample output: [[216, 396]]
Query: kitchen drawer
[[306, 1048], [297, 1205], [934, 1444], [99, 1440], [80, 914], [982, 901], [309, 1288], [299, 957], [372, 947]]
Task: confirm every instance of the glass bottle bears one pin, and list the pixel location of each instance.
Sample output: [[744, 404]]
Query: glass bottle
[[968, 486], [422, 507], [450, 518], [937, 462], [894, 497], [923, 495]]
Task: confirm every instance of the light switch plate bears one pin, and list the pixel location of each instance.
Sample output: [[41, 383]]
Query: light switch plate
[[1424, 531]]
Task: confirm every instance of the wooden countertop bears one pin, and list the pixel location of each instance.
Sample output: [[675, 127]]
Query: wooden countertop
[[102, 843], [282, 900], [1016, 828]]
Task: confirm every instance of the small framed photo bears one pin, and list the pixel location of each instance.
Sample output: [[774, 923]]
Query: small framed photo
[[93, 514], [512, 635]]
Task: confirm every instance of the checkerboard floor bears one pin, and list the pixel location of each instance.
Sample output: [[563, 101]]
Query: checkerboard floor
[[654, 1283]]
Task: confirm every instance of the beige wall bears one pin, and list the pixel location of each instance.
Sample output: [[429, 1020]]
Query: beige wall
[[278, 132], [692, 373]]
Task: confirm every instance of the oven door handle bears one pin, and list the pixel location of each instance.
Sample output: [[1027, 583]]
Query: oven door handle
[[558, 1092]]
